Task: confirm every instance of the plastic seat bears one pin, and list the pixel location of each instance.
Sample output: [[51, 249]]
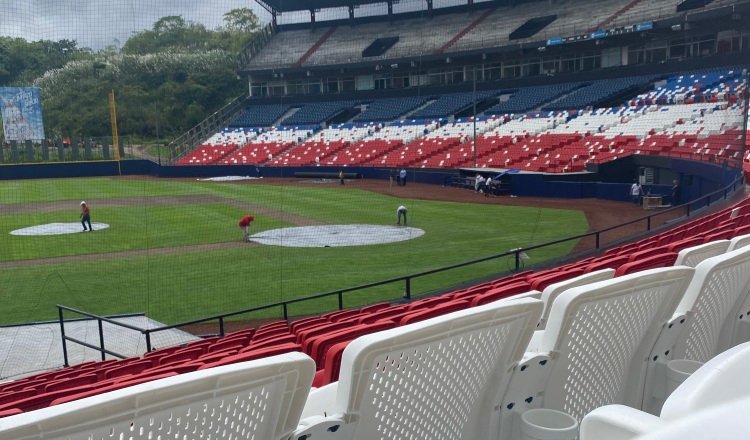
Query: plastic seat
[[497, 293], [692, 256], [706, 321], [654, 261], [260, 399], [252, 354], [462, 359], [719, 384], [551, 292], [594, 349]]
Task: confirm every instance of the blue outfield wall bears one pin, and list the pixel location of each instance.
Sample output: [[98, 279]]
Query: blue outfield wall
[[696, 178]]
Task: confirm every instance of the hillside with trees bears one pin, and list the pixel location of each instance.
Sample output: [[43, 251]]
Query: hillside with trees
[[166, 79]]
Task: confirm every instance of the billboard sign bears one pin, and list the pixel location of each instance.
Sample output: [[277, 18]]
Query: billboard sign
[[21, 108]]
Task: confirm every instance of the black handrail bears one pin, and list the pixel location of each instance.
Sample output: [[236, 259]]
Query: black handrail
[[516, 253]]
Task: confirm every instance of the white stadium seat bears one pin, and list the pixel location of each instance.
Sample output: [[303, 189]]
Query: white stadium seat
[[260, 399], [709, 404], [438, 379]]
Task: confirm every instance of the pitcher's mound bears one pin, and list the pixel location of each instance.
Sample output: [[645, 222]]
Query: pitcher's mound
[[57, 229], [336, 235]]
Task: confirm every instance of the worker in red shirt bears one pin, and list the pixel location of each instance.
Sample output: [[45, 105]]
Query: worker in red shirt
[[86, 217], [245, 226]]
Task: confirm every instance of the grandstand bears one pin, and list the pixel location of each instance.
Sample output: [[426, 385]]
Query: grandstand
[[637, 334]]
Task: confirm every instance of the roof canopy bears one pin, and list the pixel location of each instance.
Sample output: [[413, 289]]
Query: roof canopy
[[306, 5]]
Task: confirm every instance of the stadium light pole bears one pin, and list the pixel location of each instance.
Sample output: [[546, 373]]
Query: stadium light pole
[[474, 119]]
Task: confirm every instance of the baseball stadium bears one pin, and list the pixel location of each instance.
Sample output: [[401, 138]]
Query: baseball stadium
[[366, 219]]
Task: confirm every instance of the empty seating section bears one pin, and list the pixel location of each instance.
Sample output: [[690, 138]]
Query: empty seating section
[[705, 125], [383, 141], [316, 113], [389, 109], [450, 104], [447, 32], [640, 291], [267, 145], [528, 98], [324, 144], [259, 115], [706, 86], [597, 91], [443, 147]]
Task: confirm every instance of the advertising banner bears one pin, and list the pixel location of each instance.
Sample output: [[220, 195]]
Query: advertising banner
[[21, 108]]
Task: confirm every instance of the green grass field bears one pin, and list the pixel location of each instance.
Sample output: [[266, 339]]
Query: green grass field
[[173, 248]]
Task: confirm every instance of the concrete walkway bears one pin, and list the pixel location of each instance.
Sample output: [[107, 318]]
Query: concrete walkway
[[30, 349]]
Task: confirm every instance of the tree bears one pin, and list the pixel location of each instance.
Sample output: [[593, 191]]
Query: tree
[[242, 20], [169, 25]]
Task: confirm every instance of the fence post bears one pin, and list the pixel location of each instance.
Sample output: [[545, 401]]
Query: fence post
[[62, 333], [221, 326], [517, 255], [648, 223], [341, 300], [148, 341], [101, 339], [597, 239], [286, 311], [407, 288]]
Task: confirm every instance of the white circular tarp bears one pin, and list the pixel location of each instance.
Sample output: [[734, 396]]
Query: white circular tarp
[[57, 229], [336, 235]]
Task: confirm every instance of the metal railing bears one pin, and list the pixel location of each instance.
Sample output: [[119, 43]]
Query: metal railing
[[515, 254], [207, 127], [256, 43]]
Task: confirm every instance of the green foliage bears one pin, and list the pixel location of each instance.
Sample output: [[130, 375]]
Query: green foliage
[[166, 79]]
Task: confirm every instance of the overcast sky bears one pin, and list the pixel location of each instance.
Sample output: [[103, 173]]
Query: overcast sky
[[100, 23]]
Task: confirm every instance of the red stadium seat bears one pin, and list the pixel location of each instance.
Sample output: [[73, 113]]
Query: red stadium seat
[[539, 283], [607, 263], [254, 354], [500, 293], [654, 261], [438, 310], [323, 343]]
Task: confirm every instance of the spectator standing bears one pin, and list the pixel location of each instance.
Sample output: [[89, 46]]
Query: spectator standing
[[675, 193], [245, 226], [86, 217], [402, 177], [341, 176], [401, 212], [636, 191]]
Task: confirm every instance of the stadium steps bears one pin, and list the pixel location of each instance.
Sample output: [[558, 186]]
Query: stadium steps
[[306, 56], [286, 116], [614, 16], [466, 30], [558, 98], [416, 110]]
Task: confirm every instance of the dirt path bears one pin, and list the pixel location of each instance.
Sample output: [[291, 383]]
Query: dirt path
[[72, 205], [125, 254]]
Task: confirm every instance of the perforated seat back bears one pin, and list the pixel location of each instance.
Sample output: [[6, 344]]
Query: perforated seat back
[[713, 300], [554, 290], [601, 335], [261, 399], [694, 255], [738, 242], [436, 379]]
